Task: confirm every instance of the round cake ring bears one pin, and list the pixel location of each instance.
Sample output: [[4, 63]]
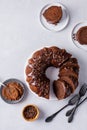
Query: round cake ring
[[63, 22], [49, 62], [74, 31], [52, 95]]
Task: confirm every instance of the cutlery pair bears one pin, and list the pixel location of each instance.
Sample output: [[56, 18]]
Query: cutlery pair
[[72, 111], [72, 101]]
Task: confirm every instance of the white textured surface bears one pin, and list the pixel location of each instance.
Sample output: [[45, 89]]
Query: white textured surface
[[21, 33]]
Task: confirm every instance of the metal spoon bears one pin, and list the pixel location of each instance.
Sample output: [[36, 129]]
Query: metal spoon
[[2, 84], [72, 101], [70, 111], [81, 93]]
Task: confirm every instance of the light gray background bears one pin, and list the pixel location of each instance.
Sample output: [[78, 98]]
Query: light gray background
[[21, 33]]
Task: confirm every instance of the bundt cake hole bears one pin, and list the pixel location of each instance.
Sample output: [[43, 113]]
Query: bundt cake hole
[[52, 73]]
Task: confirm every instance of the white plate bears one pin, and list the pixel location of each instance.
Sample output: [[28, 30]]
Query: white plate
[[74, 31], [63, 22], [51, 73]]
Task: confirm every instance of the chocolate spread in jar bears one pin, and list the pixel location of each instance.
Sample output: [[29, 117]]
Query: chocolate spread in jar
[[30, 112], [53, 14], [81, 35], [12, 91]]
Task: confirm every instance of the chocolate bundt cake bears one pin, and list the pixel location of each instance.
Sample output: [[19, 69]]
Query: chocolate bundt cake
[[56, 57]]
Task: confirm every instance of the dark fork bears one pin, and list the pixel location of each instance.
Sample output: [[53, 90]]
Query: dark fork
[[82, 92], [68, 113], [72, 101]]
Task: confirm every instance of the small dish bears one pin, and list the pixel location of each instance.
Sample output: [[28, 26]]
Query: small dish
[[73, 35], [3, 87], [63, 22], [30, 112]]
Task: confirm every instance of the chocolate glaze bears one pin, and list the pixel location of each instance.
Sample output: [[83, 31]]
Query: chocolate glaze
[[44, 58]]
